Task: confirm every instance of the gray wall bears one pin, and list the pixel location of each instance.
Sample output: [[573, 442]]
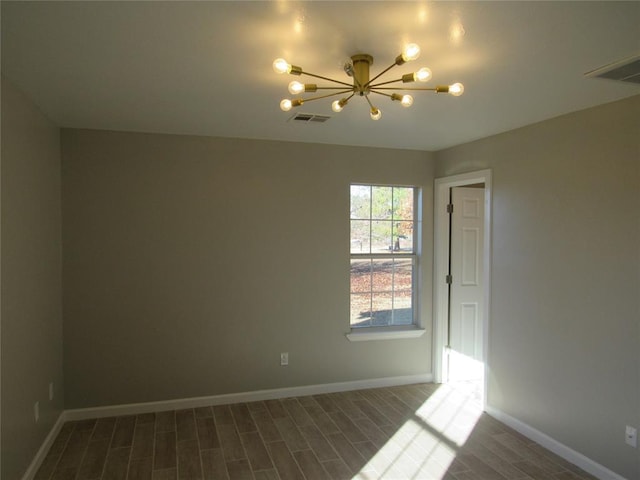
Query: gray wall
[[190, 263], [565, 329], [31, 276]]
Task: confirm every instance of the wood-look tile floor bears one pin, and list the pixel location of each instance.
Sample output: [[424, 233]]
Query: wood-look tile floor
[[411, 432]]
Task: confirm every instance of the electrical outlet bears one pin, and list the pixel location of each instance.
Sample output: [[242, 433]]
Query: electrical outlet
[[50, 391], [631, 436], [36, 411], [284, 359]]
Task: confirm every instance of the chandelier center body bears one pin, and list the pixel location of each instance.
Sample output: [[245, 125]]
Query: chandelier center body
[[361, 64]]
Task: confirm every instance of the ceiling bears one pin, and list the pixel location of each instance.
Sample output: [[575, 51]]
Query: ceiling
[[204, 68]]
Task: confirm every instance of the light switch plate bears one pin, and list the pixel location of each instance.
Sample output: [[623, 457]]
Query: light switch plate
[[284, 359]]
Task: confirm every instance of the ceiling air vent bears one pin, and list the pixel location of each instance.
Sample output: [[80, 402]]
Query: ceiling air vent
[[309, 118], [627, 70]]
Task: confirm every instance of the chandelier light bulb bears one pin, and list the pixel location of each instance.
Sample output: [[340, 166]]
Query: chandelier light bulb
[[280, 65], [422, 75], [376, 114], [410, 52], [456, 89], [338, 105], [407, 101], [285, 105], [296, 87]]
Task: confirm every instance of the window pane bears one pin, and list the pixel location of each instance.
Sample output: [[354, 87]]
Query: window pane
[[402, 308], [402, 291], [382, 275], [403, 274], [361, 276], [381, 200], [382, 305], [403, 237], [403, 203], [361, 310], [360, 234], [381, 236], [360, 201]]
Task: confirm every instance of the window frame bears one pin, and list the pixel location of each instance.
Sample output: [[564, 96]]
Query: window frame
[[391, 331]]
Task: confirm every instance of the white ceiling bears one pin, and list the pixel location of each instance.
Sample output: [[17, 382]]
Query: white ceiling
[[204, 68]]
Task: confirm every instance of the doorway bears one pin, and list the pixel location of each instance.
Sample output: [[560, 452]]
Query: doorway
[[462, 280]]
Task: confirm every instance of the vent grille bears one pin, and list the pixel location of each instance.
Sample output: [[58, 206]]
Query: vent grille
[[627, 70], [309, 118]]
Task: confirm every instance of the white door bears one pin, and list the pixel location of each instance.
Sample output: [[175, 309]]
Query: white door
[[466, 307]]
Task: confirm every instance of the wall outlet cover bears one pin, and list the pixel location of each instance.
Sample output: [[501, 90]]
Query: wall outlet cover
[[631, 436]]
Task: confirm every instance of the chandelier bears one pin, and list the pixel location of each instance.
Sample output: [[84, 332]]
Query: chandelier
[[363, 86]]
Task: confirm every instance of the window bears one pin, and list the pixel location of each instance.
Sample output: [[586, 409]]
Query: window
[[383, 255]]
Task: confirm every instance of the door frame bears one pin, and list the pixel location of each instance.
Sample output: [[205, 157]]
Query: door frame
[[441, 262]]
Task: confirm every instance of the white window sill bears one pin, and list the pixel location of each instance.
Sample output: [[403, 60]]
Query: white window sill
[[384, 333]]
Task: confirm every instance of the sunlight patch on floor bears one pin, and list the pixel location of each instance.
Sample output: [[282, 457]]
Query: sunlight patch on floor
[[426, 444]]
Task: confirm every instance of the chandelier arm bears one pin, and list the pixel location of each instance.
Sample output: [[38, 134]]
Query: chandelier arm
[[429, 89], [379, 75], [305, 100], [369, 102], [333, 88], [384, 83], [327, 78]]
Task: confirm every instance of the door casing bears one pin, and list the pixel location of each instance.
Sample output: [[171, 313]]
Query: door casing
[[441, 262]]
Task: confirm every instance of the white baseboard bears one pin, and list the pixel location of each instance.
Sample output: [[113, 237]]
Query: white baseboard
[[182, 403], [585, 463], [44, 448]]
